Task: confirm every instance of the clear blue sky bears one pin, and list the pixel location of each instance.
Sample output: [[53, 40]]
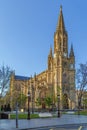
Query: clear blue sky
[[27, 30]]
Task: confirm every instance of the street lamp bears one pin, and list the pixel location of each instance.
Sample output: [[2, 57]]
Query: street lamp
[[32, 88], [32, 99], [78, 106], [16, 114], [28, 105], [58, 106]]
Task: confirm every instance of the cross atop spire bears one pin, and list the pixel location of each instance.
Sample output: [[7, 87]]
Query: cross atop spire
[[60, 7], [60, 25]]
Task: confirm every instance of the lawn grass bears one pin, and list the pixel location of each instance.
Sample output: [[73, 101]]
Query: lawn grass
[[33, 116], [83, 112], [23, 116]]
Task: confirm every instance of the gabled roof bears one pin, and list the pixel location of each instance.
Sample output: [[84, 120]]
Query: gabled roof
[[18, 77]]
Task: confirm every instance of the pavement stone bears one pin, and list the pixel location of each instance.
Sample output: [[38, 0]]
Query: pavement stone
[[45, 114], [9, 124]]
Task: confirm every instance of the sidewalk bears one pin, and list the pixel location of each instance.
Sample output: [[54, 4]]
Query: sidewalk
[[42, 122]]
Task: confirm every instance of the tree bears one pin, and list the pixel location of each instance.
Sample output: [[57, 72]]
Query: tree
[[20, 94], [5, 73], [48, 101], [38, 102], [22, 100], [81, 82]]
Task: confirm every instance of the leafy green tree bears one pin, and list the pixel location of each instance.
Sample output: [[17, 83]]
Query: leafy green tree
[[85, 103], [38, 102], [48, 101], [22, 100]]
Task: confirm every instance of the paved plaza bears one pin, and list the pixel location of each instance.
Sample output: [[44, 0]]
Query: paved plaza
[[9, 124]]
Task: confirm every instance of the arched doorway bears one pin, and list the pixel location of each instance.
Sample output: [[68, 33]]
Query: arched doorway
[[65, 102]]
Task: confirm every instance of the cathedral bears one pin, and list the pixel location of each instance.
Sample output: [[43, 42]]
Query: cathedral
[[57, 79]]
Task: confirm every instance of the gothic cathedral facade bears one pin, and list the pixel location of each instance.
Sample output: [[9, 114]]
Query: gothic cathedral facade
[[59, 77]]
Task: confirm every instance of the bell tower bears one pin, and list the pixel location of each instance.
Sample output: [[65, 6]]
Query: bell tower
[[62, 62], [60, 37]]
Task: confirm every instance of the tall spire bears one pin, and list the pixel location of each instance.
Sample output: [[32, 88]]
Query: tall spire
[[71, 51], [50, 54], [50, 50], [60, 25]]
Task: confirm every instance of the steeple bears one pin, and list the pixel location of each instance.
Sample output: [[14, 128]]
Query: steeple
[[50, 54], [51, 51], [60, 25], [50, 59], [71, 52]]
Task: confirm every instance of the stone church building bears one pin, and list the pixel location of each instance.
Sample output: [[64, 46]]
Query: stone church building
[[57, 79]]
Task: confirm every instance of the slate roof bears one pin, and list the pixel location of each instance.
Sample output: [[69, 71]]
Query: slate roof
[[18, 77]]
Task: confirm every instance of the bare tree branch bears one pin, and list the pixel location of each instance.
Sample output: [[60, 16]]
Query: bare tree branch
[[81, 81], [5, 74]]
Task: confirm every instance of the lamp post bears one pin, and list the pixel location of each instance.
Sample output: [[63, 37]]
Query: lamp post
[[78, 106], [32, 99], [16, 114], [58, 106], [28, 105]]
